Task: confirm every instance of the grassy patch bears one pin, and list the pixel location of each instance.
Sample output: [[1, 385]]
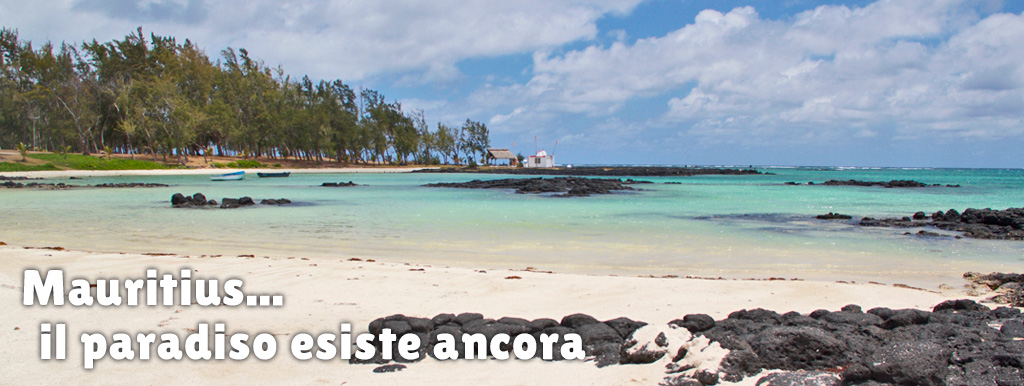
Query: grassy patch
[[243, 164], [16, 167], [87, 162]]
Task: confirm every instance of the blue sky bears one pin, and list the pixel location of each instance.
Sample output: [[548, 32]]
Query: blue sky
[[798, 82]]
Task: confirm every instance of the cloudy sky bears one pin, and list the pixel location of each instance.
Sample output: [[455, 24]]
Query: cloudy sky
[[795, 82]]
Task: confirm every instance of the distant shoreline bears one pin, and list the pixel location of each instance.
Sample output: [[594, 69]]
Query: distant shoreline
[[199, 172]]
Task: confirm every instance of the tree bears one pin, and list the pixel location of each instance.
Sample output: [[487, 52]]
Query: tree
[[23, 150], [446, 143], [152, 93], [476, 139]]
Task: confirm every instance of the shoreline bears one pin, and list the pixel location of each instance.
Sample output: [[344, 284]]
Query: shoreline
[[717, 309], [944, 281], [321, 293], [206, 171]]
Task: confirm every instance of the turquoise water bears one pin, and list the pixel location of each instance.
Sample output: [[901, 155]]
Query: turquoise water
[[732, 226]]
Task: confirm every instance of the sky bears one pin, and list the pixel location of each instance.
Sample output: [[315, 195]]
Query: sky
[[908, 83]]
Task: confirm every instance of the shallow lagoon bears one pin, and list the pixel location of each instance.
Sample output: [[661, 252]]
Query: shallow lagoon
[[731, 226]]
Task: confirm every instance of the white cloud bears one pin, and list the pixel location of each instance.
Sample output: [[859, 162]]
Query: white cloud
[[904, 68]]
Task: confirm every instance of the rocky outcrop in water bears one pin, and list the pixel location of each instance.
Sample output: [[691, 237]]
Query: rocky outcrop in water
[[954, 343], [986, 223], [199, 200], [339, 184], [271, 201], [616, 171], [833, 216], [36, 185], [884, 184], [568, 186], [17, 178], [132, 184], [61, 185]]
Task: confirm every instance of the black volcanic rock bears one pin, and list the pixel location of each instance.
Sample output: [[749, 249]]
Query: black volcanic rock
[[339, 184], [17, 178], [833, 216], [1007, 224], [60, 185], [1009, 286], [624, 326], [884, 184], [271, 201], [617, 171], [694, 322], [199, 200], [954, 345], [910, 363], [131, 185], [178, 199], [37, 185], [568, 186]]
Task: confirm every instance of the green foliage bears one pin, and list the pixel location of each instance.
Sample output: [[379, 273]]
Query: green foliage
[[86, 162], [152, 94], [244, 164], [23, 150], [16, 167], [277, 165]]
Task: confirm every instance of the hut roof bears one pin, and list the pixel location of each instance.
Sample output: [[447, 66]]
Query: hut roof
[[501, 154]]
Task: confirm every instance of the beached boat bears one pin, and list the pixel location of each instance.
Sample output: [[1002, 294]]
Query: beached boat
[[273, 175], [228, 177]]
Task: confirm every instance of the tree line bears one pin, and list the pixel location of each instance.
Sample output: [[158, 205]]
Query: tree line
[[160, 98]]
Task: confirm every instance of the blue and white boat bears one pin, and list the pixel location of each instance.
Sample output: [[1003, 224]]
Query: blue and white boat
[[228, 177]]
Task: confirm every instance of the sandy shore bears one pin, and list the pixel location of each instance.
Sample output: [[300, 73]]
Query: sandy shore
[[323, 293], [193, 172]]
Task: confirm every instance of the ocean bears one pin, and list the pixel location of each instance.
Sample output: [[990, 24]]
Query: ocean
[[751, 226]]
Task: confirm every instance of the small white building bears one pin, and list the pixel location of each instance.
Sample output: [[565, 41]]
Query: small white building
[[541, 160]]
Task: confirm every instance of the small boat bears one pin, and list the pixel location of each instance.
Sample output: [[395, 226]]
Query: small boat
[[273, 175], [228, 177]]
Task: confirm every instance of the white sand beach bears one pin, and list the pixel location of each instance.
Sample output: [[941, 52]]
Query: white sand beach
[[320, 294]]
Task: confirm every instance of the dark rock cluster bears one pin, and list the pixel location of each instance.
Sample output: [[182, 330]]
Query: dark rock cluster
[[271, 201], [199, 200], [986, 223], [17, 178], [131, 185], [231, 203], [616, 171], [568, 186], [601, 340], [959, 342], [339, 184], [1008, 286], [833, 216], [884, 184], [39, 185], [179, 200], [953, 344], [61, 185]]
